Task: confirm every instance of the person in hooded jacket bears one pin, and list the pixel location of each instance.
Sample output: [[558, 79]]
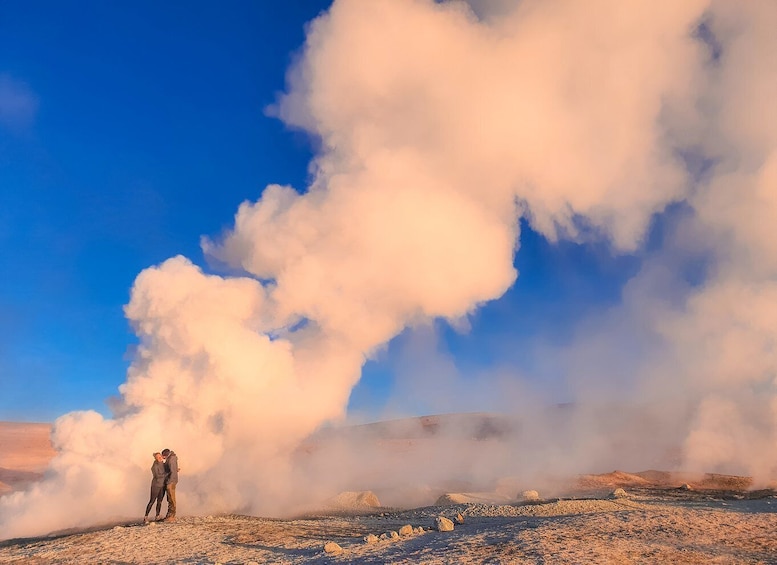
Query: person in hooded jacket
[[171, 466], [158, 476]]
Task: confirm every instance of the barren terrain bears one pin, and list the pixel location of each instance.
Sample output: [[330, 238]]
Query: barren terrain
[[659, 517]]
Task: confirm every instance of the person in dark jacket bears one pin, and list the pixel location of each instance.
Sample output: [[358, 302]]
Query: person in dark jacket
[[171, 466], [158, 476]]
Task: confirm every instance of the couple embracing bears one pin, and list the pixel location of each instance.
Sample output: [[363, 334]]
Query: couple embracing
[[164, 472]]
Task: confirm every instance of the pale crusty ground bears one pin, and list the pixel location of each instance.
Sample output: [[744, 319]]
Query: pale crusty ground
[[647, 528]]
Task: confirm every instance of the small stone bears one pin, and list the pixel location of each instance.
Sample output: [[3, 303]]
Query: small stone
[[459, 518], [419, 530], [370, 538], [443, 524], [383, 536], [686, 486], [332, 548], [406, 530], [619, 493], [393, 534]]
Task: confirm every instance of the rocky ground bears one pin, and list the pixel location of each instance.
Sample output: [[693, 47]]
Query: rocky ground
[[618, 518], [647, 525]]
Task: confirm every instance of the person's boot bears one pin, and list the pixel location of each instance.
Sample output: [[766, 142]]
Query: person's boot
[[145, 519]]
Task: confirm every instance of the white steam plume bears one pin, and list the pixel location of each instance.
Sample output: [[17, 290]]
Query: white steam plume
[[438, 129], [726, 336]]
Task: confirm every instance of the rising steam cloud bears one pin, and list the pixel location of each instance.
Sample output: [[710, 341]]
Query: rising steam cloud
[[440, 125]]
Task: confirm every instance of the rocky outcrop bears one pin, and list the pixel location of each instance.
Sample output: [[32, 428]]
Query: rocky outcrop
[[443, 524]]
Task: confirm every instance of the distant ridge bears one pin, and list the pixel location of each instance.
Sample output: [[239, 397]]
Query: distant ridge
[[467, 425], [25, 451]]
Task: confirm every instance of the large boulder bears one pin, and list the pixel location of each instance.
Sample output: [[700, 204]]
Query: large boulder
[[443, 524]]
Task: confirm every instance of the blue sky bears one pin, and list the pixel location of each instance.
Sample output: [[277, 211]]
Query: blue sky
[[129, 131]]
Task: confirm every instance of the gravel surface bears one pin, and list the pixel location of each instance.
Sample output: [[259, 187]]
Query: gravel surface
[[640, 529]]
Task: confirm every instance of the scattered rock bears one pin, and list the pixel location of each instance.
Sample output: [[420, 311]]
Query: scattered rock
[[406, 530], [459, 518], [383, 537], [332, 548], [392, 534], [619, 493], [418, 530], [443, 524], [370, 538], [686, 486], [530, 495]]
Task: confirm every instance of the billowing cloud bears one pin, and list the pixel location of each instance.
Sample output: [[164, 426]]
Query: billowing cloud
[[558, 105], [726, 337]]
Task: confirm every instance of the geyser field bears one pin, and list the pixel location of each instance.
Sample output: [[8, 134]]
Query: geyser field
[[445, 136], [615, 517]]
